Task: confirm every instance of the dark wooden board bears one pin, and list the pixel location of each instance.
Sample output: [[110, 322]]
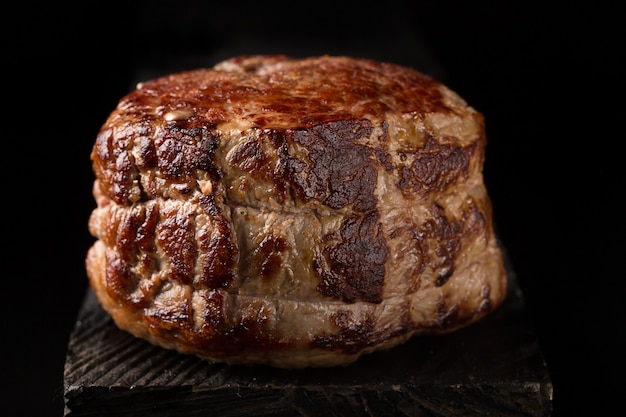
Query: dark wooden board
[[494, 367]]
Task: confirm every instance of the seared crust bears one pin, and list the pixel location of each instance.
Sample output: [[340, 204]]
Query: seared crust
[[292, 212]]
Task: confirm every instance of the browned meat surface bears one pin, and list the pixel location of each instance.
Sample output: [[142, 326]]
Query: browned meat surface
[[292, 212]]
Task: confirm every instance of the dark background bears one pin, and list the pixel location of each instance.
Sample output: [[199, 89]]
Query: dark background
[[549, 80]]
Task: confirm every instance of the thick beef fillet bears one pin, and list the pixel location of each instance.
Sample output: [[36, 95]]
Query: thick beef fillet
[[292, 212]]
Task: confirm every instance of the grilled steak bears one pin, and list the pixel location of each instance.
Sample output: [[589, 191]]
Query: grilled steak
[[292, 212]]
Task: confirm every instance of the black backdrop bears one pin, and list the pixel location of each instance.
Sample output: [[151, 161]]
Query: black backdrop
[[548, 80]]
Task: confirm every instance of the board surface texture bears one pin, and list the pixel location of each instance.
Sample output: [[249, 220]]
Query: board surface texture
[[491, 368]]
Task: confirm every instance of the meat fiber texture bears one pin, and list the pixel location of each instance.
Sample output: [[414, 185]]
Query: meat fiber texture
[[292, 212]]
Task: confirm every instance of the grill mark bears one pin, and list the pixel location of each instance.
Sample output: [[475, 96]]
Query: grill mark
[[354, 268], [164, 322], [353, 334], [213, 322], [435, 167], [176, 237], [447, 317], [220, 249], [339, 171], [264, 156], [266, 258], [119, 281]]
